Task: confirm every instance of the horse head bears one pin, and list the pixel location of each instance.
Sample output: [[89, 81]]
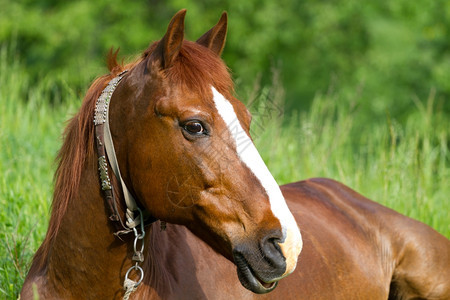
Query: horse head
[[182, 140]]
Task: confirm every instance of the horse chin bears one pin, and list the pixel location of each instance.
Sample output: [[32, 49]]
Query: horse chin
[[250, 280]]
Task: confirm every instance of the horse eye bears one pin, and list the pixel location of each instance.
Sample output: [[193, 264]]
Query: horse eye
[[194, 127]]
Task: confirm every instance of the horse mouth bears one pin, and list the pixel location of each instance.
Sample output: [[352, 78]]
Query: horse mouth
[[249, 279]]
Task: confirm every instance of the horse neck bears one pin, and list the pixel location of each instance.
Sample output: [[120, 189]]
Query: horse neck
[[85, 251]]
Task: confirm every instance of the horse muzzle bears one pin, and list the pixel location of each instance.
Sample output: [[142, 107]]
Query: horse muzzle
[[259, 267]]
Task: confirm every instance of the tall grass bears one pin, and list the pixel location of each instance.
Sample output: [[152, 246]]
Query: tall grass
[[404, 166], [29, 139]]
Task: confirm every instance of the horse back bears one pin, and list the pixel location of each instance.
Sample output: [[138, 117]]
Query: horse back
[[355, 248]]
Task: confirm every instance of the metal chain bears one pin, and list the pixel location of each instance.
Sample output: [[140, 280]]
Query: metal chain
[[130, 285]]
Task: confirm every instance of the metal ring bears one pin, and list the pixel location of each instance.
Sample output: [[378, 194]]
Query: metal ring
[[141, 236], [135, 267], [135, 245], [138, 235]]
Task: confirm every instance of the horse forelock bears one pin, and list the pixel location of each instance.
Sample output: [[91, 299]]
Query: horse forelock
[[197, 68]]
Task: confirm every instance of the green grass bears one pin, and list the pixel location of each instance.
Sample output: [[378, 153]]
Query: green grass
[[405, 166], [29, 138], [402, 165]]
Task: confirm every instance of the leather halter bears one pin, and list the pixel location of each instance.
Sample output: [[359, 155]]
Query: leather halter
[[105, 148]]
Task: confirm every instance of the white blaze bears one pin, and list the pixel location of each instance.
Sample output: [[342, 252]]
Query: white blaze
[[249, 155]]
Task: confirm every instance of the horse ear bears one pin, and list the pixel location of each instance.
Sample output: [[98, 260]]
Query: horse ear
[[169, 46], [214, 39]]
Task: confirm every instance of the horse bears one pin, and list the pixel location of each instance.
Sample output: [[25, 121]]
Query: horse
[[188, 183]]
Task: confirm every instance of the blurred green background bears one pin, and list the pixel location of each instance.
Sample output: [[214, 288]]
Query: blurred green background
[[364, 87], [384, 52]]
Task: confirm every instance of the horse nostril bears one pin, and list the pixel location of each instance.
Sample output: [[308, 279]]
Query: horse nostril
[[276, 243], [272, 253]]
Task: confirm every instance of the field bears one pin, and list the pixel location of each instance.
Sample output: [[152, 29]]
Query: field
[[402, 164]]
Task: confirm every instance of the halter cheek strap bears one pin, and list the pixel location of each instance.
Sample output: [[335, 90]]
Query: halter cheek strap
[[131, 220], [105, 148]]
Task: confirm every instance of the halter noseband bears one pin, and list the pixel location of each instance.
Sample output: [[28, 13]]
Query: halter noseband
[[134, 215]]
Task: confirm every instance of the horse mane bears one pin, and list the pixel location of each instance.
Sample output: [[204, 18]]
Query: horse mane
[[195, 67]]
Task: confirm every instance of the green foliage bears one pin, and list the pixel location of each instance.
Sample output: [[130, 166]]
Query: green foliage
[[392, 50]]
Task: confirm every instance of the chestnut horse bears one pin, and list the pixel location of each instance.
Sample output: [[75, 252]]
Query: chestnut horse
[[183, 146]]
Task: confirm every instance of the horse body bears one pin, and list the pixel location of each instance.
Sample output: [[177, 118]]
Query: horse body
[[182, 143], [353, 249]]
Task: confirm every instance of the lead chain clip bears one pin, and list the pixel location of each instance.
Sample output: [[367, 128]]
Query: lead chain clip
[[138, 257]]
